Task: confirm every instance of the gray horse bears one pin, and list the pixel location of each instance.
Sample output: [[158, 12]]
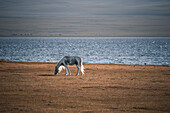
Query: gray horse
[[69, 60]]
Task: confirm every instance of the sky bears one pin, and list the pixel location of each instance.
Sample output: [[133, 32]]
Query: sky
[[98, 18]]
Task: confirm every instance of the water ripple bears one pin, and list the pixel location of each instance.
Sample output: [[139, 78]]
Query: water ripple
[[155, 51]]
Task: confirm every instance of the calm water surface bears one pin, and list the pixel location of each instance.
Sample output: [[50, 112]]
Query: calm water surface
[[155, 51]]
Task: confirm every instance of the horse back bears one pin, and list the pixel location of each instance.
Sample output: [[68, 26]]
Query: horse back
[[71, 60]]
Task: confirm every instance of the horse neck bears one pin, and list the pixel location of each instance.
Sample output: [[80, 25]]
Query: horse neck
[[58, 64]]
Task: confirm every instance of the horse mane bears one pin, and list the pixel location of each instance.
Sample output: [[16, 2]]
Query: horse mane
[[60, 68], [61, 59]]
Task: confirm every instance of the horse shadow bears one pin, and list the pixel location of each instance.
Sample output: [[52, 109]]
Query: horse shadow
[[46, 75]]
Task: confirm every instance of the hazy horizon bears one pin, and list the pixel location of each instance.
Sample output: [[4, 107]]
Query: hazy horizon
[[90, 18]]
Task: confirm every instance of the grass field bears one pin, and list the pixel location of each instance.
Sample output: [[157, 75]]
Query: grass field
[[31, 87]]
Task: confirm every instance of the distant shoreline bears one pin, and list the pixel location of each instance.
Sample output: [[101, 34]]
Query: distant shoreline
[[27, 62], [85, 37]]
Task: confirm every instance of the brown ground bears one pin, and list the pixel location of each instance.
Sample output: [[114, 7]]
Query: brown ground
[[31, 87]]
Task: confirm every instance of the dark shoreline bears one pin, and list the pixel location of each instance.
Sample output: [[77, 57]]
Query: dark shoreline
[[7, 61]]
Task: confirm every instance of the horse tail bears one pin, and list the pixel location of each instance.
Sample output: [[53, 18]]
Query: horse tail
[[82, 67]]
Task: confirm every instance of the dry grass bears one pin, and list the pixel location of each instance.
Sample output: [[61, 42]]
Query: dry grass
[[31, 87]]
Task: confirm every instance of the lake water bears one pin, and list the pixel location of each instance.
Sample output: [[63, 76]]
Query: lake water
[[110, 50]]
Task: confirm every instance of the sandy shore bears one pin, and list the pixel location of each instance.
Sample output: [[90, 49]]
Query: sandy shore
[[31, 87]]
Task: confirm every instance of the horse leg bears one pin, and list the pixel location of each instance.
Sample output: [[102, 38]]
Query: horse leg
[[68, 69], [77, 70]]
